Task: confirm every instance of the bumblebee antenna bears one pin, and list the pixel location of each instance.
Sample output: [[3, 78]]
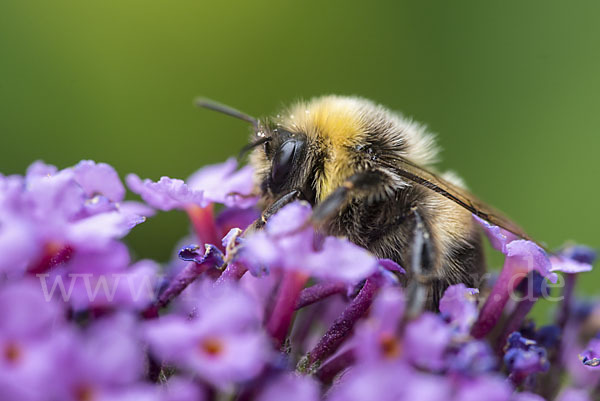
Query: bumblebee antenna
[[252, 145], [221, 108]]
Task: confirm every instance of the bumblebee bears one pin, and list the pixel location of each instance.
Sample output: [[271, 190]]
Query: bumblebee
[[369, 174]]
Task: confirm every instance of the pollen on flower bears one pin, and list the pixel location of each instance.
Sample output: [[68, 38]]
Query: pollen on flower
[[12, 353], [85, 393], [212, 346], [593, 362], [390, 346], [94, 200], [53, 247]]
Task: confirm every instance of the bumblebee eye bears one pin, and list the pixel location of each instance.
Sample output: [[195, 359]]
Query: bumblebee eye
[[283, 160]]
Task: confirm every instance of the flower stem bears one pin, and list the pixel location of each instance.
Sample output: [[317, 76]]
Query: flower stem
[[181, 281], [233, 272], [531, 288], [328, 371], [565, 307], [203, 221], [494, 305], [344, 324], [287, 296], [514, 321], [185, 277], [551, 386], [317, 292]]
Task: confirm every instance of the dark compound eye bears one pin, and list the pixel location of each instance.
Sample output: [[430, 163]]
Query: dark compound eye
[[283, 161]]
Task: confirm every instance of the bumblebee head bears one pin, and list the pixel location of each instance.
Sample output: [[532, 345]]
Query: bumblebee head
[[283, 163], [312, 147], [307, 147]]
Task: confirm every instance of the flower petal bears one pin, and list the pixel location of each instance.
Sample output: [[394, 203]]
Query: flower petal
[[99, 178], [498, 237], [459, 305], [221, 183], [167, 193]]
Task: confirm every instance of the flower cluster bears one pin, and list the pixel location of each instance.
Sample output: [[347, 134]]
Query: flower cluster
[[280, 313]]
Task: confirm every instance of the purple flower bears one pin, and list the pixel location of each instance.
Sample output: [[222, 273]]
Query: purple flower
[[522, 257], [526, 256], [80, 320], [472, 359], [499, 238], [218, 183], [459, 306], [182, 389], [580, 254], [525, 251], [211, 255], [573, 259], [166, 193], [343, 325], [389, 382], [212, 184], [101, 228], [376, 337], [50, 213], [234, 217], [102, 278], [99, 178], [221, 183], [526, 397], [212, 258], [18, 245], [391, 266], [223, 343], [290, 387], [524, 357], [492, 388], [426, 340], [280, 243], [287, 244], [26, 313], [548, 336], [104, 362], [573, 355], [27, 322], [591, 356]]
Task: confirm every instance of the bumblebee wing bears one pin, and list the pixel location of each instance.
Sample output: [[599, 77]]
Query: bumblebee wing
[[462, 197]]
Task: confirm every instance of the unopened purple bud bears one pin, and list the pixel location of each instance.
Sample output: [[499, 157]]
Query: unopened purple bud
[[580, 253], [524, 357], [212, 255]]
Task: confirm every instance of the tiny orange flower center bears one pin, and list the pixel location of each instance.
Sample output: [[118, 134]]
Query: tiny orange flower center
[[389, 346], [84, 393], [12, 353], [53, 247], [212, 346]]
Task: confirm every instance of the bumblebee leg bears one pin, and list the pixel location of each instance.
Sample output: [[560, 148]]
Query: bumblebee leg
[[274, 208], [366, 182], [421, 266], [420, 256]]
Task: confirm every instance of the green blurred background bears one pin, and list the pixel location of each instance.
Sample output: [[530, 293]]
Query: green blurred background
[[512, 88]]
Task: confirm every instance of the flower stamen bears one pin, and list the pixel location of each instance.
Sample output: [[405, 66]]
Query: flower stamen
[[389, 346], [12, 353], [212, 346]]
